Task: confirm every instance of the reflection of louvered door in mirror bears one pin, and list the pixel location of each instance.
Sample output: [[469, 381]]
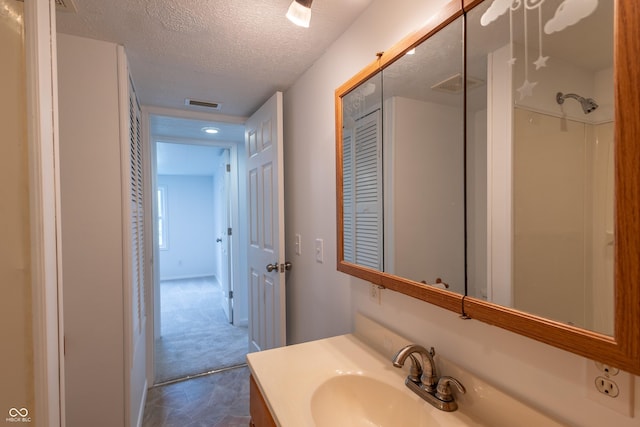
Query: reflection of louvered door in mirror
[[362, 190]]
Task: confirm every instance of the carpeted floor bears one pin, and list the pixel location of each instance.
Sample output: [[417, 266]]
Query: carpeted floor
[[195, 334]]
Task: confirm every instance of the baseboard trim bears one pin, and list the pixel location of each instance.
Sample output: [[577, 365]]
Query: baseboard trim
[[187, 277], [243, 323]]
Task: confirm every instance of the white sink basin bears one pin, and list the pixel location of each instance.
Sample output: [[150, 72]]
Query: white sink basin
[[362, 401], [355, 400]]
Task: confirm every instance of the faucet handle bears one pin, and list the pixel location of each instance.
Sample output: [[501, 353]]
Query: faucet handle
[[443, 391]]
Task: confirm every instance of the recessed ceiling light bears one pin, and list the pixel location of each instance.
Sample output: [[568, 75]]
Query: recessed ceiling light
[[210, 130]]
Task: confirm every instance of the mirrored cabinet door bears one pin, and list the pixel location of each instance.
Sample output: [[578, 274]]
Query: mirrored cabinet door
[[423, 162], [540, 165]]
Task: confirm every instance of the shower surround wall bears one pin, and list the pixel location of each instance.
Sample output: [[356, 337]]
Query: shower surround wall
[[563, 257], [322, 302], [547, 190]]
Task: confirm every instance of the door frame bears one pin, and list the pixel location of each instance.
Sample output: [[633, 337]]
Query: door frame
[[151, 206]]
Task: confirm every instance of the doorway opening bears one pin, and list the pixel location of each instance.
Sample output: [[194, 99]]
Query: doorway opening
[[200, 318]]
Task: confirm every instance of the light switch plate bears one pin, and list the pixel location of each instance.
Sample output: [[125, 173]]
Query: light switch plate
[[319, 250], [298, 244]]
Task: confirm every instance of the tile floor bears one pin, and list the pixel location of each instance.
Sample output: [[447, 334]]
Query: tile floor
[[217, 400]]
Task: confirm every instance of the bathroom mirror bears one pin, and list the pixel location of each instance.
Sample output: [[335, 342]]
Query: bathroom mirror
[[540, 158], [491, 292]]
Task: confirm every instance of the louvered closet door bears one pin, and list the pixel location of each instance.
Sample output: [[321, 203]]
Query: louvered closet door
[[134, 284], [362, 192], [137, 213]]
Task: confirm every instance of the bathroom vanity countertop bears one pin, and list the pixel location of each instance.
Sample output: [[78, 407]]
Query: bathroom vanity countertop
[[289, 376]]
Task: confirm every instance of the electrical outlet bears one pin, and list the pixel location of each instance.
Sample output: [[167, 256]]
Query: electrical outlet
[[607, 386], [607, 369], [610, 387], [374, 294]]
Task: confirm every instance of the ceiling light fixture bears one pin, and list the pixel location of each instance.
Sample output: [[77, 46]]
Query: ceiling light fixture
[[300, 12], [210, 130]]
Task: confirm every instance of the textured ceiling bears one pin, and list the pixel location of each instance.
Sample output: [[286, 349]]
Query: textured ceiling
[[164, 128], [234, 52]]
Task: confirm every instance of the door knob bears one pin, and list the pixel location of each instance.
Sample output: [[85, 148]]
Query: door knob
[[218, 240], [286, 266], [272, 267]]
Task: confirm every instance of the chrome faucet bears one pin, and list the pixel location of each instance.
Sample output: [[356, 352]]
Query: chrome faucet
[[424, 373], [423, 379]]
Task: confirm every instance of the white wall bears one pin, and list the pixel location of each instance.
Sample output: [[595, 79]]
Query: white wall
[[477, 204], [425, 143], [190, 224], [321, 301], [318, 297]]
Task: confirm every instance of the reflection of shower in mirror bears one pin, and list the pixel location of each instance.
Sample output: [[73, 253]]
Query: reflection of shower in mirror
[[588, 104]]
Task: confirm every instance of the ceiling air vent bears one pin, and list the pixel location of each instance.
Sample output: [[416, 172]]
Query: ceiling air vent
[[66, 6], [454, 84], [203, 104]]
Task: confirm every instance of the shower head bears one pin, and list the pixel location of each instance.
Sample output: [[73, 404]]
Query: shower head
[[588, 104]]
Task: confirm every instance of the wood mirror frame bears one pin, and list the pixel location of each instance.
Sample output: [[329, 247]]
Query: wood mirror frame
[[623, 348]]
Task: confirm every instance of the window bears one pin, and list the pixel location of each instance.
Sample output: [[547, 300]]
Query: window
[[162, 217]]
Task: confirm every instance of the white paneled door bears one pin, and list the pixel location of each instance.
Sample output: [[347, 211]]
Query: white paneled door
[[266, 263]]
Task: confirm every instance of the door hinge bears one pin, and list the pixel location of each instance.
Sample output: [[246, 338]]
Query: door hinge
[[228, 167], [230, 294], [229, 231]]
